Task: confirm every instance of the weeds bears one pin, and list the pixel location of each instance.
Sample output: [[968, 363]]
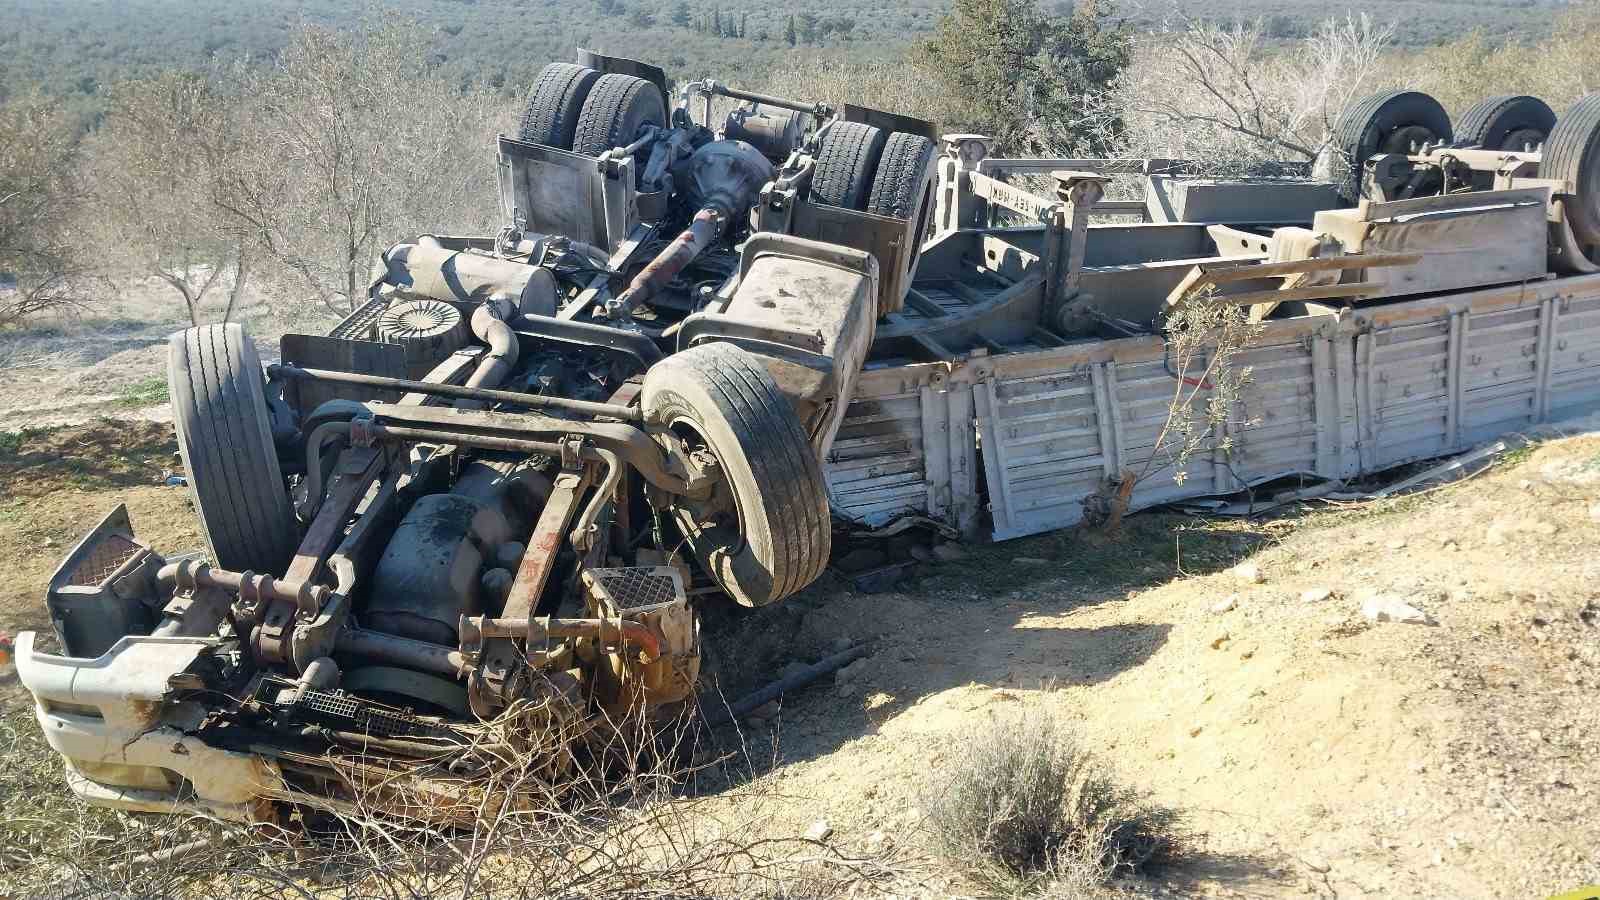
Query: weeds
[[1024, 804], [150, 391]]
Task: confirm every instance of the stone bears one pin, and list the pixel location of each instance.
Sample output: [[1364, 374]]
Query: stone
[[1249, 573], [850, 672], [947, 553], [1195, 731], [1219, 640], [845, 691], [820, 830], [1231, 603], [841, 644], [1397, 544], [765, 711], [1316, 595], [792, 669], [1390, 608]]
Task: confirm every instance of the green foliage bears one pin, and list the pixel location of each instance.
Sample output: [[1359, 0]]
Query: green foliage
[[150, 391], [1032, 80]]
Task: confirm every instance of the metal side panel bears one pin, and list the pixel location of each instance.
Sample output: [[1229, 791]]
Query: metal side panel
[[1573, 372], [894, 454], [1409, 390], [1500, 372], [1039, 418]]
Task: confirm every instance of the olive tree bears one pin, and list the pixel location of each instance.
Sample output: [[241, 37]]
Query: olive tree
[[352, 140], [156, 169], [1033, 81], [41, 259], [1227, 96]]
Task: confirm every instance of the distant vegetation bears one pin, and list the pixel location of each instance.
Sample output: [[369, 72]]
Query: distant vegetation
[[72, 48]]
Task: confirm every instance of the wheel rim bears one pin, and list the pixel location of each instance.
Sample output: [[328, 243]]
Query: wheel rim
[[717, 518]]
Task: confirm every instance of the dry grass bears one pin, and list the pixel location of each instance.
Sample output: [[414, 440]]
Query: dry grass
[[1027, 808]]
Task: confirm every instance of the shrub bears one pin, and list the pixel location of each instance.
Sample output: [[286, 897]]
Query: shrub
[[1023, 800]]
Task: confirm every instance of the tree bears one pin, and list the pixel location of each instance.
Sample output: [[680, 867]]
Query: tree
[[41, 261], [1037, 83], [744, 24], [1217, 93], [808, 27], [716, 22], [641, 17], [681, 16], [155, 169], [354, 143], [789, 35]]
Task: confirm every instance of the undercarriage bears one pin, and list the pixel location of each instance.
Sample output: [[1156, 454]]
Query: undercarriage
[[503, 487]]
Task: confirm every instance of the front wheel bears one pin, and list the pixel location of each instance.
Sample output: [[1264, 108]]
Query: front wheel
[[763, 531]]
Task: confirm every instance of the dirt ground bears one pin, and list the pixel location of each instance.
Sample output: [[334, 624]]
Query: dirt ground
[[1310, 751]]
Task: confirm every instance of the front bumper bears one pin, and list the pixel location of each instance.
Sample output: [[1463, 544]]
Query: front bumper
[[127, 745]]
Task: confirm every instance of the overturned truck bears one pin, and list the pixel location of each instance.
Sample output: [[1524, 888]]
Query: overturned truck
[[509, 478]]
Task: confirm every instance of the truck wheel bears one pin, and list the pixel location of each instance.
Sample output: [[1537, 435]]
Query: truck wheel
[[558, 95], [1572, 153], [219, 410], [1388, 122], [763, 532], [616, 109], [1505, 123], [846, 164]]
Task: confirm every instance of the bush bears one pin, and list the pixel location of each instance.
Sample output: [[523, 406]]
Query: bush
[[1024, 800]]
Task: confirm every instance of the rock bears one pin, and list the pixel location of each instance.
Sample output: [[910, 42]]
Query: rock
[[1247, 653], [1389, 608], [845, 691], [850, 672], [820, 830], [1249, 573], [1397, 544], [946, 553], [793, 668], [1030, 561], [1219, 640], [1195, 731], [1316, 595], [1231, 603], [765, 711], [841, 644]]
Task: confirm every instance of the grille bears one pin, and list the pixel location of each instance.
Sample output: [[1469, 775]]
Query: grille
[[110, 554], [637, 586], [350, 714]]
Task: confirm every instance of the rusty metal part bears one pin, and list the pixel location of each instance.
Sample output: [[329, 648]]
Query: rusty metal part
[[706, 226], [358, 468], [498, 670], [531, 401], [708, 86], [252, 588], [404, 652], [541, 627], [531, 433]]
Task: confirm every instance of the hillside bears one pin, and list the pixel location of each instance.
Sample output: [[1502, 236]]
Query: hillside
[[71, 47]]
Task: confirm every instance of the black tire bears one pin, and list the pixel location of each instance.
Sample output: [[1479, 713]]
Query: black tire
[[847, 164], [1388, 122], [557, 100], [1505, 123], [616, 109], [1572, 153], [719, 394], [903, 178], [219, 410]]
